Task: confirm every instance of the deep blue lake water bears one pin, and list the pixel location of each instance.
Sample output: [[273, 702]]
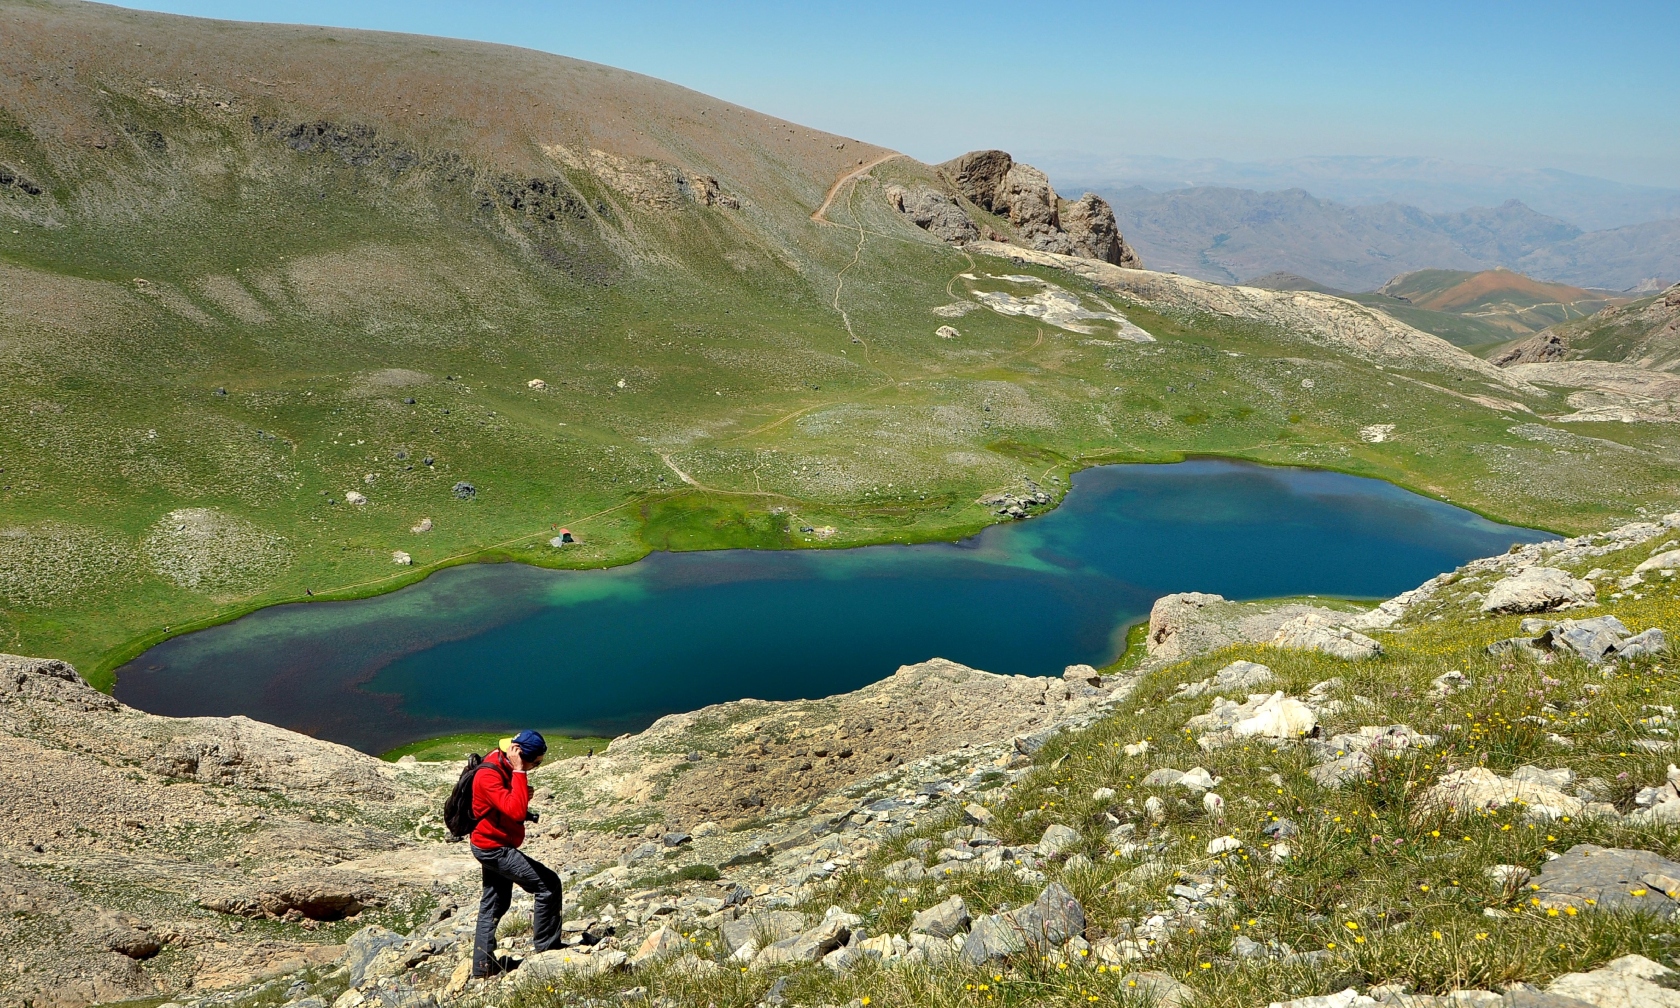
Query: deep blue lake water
[[494, 646]]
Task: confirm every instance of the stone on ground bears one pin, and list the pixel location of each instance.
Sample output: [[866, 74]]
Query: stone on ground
[[1538, 589], [1632, 981], [942, 920], [1312, 632], [1612, 878]]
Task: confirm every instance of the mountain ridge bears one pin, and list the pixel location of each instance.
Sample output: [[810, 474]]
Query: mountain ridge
[[1231, 235]]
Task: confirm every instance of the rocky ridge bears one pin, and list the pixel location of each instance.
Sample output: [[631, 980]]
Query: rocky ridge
[[1020, 197]]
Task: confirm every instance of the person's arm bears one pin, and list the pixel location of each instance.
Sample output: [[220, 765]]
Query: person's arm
[[513, 799]]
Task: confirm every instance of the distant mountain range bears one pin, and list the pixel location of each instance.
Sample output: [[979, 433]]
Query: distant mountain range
[[1478, 311], [1232, 235], [1431, 184]]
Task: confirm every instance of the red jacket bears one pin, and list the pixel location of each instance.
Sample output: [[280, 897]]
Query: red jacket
[[500, 796]]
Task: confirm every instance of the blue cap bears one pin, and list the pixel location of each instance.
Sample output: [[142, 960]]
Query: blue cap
[[531, 743]]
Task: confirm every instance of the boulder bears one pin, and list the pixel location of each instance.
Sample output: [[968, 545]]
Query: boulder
[[1050, 920], [1590, 639], [1278, 717], [1538, 589], [1032, 207], [1040, 926], [365, 946], [992, 937], [1334, 773], [1093, 233], [323, 894], [1170, 616], [942, 920], [808, 946], [1481, 789], [1057, 838], [770, 926], [933, 212], [1632, 981], [978, 175], [1668, 560], [1312, 632], [1198, 779], [1651, 643], [1612, 878], [1162, 777], [1083, 674], [663, 942], [947, 332], [1161, 990], [1237, 677], [1349, 998]]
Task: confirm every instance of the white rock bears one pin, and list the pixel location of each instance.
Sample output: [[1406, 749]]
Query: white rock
[[1375, 433], [1628, 982], [1155, 808], [1507, 875], [1223, 845], [1136, 748], [1198, 779], [1214, 804], [1349, 998], [1056, 839], [424, 525], [946, 332], [1278, 717], [1102, 794], [352, 497], [1311, 632], [1481, 788], [1237, 676], [1538, 589], [1662, 561], [536, 383], [401, 559]]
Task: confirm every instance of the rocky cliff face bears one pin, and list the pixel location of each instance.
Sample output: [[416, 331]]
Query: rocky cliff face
[[1022, 196]]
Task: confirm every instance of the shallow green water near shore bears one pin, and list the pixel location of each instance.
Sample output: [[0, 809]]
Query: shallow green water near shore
[[480, 647]]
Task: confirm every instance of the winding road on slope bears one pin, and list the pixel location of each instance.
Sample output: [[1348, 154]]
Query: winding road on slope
[[821, 215]]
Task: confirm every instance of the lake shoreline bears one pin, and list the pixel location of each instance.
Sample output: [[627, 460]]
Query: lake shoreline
[[102, 675], [611, 650]]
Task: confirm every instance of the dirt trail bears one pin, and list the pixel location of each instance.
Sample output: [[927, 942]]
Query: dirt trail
[[821, 216]]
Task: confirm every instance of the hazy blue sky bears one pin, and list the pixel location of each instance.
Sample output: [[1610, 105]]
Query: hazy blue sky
[[1593, 88]]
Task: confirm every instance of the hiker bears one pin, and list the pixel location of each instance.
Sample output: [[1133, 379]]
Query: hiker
[[501, 799]]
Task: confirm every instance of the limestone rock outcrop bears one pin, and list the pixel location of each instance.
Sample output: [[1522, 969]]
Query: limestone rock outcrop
[[933, 212], [1021, 195], [1094, 234]]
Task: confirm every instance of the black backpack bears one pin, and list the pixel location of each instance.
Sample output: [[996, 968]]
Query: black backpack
[[458, 816]]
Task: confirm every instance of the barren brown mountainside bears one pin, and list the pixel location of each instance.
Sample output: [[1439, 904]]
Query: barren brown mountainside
[[500, 104]]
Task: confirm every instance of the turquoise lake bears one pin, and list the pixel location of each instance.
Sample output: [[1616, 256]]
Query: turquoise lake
[[493, 646]]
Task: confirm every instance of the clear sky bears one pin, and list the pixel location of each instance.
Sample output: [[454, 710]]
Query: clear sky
[[1592, 88]]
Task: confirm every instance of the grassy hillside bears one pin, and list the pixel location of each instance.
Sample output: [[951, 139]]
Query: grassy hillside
[[1644, 333], [247, 271]]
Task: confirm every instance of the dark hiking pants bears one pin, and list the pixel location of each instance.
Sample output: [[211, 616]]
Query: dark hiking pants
[[503, 868]]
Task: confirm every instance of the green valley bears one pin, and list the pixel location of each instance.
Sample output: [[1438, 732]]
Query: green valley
[[277, 329]]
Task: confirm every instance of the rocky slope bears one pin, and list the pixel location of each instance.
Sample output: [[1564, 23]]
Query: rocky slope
[[1620, 362]]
